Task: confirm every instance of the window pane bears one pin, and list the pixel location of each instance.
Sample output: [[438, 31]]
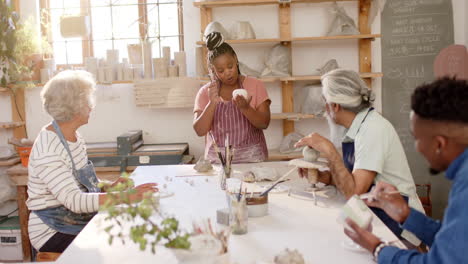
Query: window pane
[[153, 20], [55, 15], [101, 23], [172, 42], [56, 3], [101, 47], [169, 20], [161, 1], [125, 2], [71, 4], [100, 2], [75, 52], [60, 52], [125, 21], [121, 45], [156, 50]]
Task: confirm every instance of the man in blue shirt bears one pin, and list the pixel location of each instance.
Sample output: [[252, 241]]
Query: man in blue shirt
[[439, 122]]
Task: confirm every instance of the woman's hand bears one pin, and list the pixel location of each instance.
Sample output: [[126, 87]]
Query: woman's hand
[[124, 180], [241, 102], [213, 92], [142, 190]]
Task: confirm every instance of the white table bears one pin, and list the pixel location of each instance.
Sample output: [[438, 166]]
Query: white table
[[293, 223]]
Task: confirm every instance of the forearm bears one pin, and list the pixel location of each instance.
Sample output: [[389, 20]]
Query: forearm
[[258, 119], [425, 228], [202, 124], [340, 176], [116, 198]]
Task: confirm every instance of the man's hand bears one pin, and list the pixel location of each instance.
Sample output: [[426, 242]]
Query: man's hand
[[319, 143], [361, 236], [389, 201], [323, 176]]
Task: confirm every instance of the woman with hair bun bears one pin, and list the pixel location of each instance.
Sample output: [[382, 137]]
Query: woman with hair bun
[[238, 118]]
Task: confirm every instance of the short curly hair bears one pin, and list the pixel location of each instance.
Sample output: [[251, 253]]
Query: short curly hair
[[67, 94], [445, 99]]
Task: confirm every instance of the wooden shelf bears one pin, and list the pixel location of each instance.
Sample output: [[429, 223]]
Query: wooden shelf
[[364, 75], [299, 39], [275, 155], [247, 41], [11, 124], [361, 36], [209, 4], [264, 79], [291, 116], [4, 90]]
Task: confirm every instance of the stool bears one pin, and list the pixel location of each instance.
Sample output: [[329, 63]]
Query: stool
[[426, 197], [47, 256]]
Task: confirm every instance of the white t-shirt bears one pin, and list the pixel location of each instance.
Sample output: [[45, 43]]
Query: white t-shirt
[[378, 148], [51, 182]]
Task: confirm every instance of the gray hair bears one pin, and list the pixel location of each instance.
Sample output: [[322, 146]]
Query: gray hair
[[68, 94], [346, 88]]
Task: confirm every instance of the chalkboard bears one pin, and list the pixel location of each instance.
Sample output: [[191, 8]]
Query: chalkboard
[[413, 33]]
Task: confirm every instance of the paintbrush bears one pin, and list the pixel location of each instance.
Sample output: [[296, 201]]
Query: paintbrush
[[240, 190], [217, 149], [227, 153]]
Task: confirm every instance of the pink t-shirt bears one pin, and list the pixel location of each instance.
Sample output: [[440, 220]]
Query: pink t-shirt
[[254, 87]]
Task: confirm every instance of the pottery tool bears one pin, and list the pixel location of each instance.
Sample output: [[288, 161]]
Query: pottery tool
[[282, 177], [371, 196], [271, 187]]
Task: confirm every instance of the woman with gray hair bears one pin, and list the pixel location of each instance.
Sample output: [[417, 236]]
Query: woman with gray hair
[[372, 150], [62, 184]]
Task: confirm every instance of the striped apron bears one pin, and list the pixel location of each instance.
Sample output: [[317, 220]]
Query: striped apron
[[248, 142]]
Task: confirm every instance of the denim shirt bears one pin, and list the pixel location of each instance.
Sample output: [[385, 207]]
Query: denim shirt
[[448, 241]]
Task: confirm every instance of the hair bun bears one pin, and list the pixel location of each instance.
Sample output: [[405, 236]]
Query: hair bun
[[367, 95], [214, 40]]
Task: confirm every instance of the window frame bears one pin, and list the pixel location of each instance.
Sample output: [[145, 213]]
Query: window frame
[[87, 42]]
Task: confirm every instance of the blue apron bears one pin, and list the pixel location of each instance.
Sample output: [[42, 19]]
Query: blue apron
[[60, 218], [348, 159]]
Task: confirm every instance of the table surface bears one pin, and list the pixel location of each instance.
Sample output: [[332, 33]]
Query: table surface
[[292, 222]]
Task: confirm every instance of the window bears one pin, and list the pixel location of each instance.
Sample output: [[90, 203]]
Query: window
[[114, 24]]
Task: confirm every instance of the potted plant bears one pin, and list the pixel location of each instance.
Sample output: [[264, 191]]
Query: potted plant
[[21, 50], [151, 227]]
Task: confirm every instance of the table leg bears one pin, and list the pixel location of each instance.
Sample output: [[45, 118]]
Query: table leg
[[23, 211]]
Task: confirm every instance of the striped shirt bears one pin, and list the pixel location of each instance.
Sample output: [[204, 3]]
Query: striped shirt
[[51, 182]]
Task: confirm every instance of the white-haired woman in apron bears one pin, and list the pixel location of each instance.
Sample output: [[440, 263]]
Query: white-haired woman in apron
[[62, 185]]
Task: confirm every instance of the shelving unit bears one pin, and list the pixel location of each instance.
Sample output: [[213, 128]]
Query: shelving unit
[[277, 40], [7, 125], [285, 38]]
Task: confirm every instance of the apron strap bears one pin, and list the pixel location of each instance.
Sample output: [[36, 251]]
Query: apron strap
[[368, 111], [65, 144]]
